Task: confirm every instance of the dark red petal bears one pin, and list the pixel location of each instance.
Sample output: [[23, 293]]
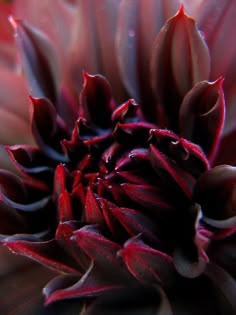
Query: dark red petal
[[48, 253], [96, 100], [96, 246], [187, 155], [180, 59], [30, 161], [146, 196], [39, 60], [215, 192], [47, 128], [64, 207], [125, 111], [92, 213], [147, 264], [201, 115], [91, 284], [64, 233], [135, 222], [160, 162], [138, 24]]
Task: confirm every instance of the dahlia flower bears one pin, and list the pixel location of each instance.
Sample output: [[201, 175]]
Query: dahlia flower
[[124, 198]]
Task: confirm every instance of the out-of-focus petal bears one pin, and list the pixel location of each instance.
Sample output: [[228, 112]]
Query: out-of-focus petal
[[138, 24], [39, 60], [180, 59], [225, 287], [201, 115], [93, 46], [7, 47], [216, 19], [96, 100], [56, 19]]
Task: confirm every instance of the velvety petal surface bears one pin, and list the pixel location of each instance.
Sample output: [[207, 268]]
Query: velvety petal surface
[[180, 59]]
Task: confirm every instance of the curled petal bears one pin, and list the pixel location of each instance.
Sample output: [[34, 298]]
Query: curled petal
[[161, 163], [215, 192], [146, 196], [48, 130], [96, 100], [96, 246], [201, 115], [91, 284], [125, 111], [180, 59], [30, 161], [47, 253], [148, 265]]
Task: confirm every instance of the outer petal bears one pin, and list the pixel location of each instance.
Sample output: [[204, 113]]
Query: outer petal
[[201, 115], [93, 47], [147, 264], [138, 24], [180, 59], [49, 135], [215, 20], [48, 253], [96, 101], [215, 192], [39, 60], [43, 14]]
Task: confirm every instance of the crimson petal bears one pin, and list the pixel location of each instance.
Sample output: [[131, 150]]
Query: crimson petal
[[135, 222], [47, 253], [30, 161], [148, 265], [91, 284], [47, 128]]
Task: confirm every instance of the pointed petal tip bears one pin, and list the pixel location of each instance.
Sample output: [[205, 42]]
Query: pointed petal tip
[[181, 10]]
